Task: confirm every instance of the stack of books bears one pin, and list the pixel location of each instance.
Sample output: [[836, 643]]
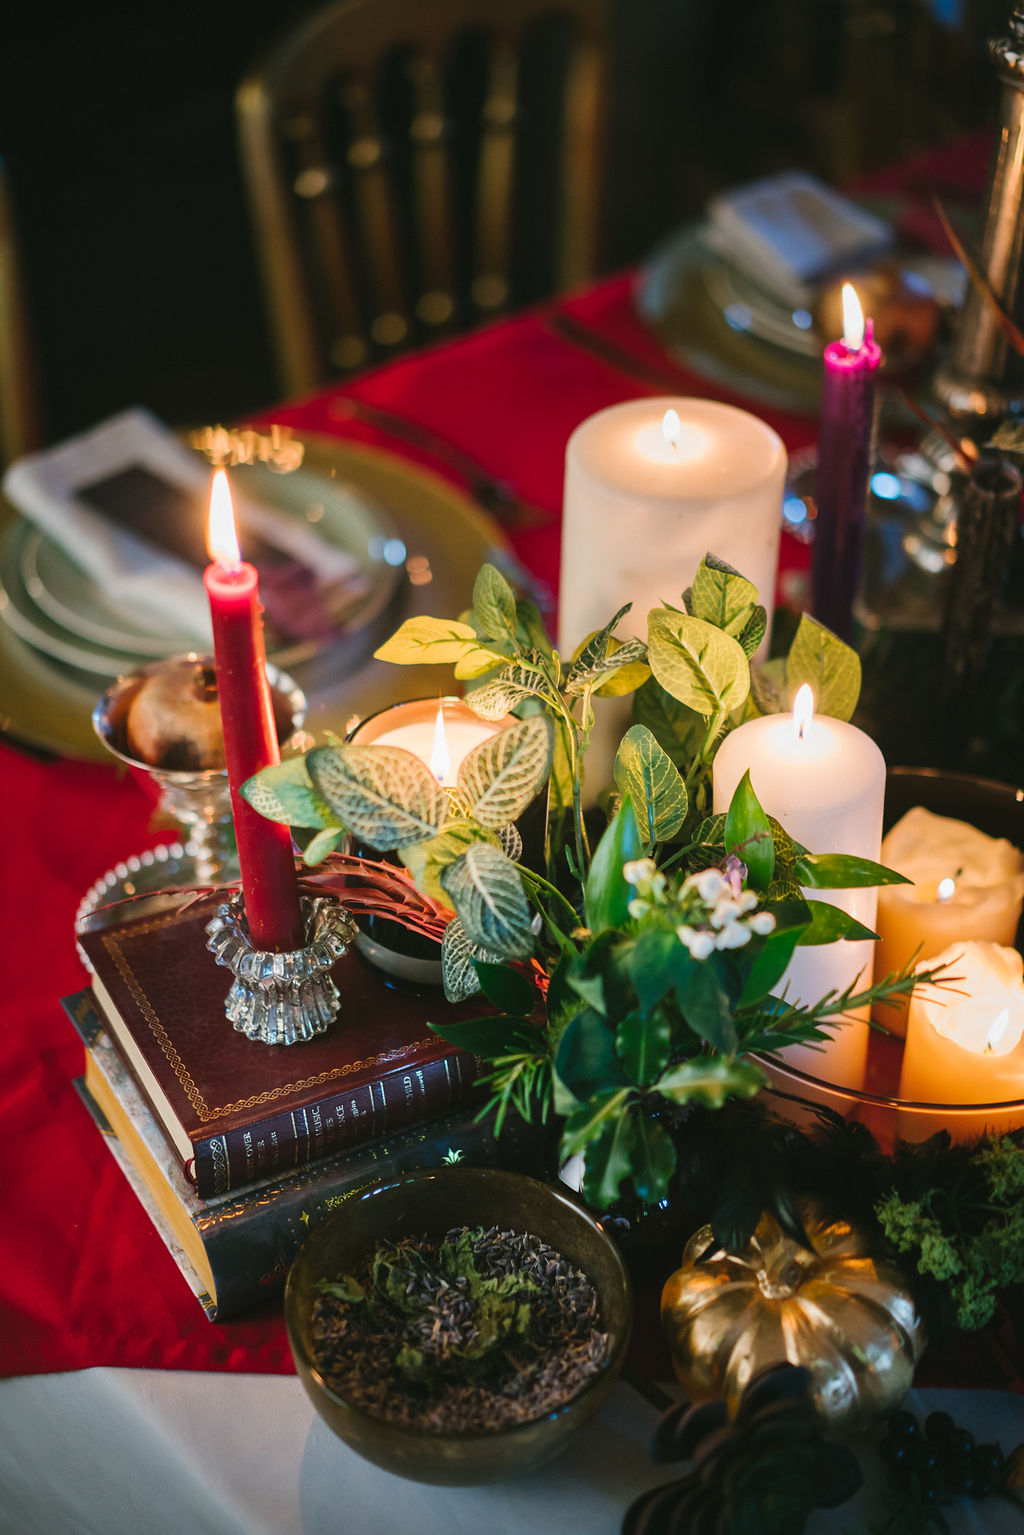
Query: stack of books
[[238, 1149]]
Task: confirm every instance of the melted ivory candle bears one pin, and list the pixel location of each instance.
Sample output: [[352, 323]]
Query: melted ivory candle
[[965, 1035], [651, 486], [967, 886], [824, 780]]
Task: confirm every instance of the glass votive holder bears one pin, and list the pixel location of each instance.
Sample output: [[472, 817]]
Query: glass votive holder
[[403, 955], [198, 799]]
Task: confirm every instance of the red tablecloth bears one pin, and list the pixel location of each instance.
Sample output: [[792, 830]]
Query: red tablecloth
[[84, 1279]]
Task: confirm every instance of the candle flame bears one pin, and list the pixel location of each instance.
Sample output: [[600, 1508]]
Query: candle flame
[[440, 757], [803, 710], [221, 533], [998, 1029], [671, 428], [853, 319], [946, 890]]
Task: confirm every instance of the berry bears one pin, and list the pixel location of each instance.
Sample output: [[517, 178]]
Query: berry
[[939, 1428], [987, 1461], [961, 1444], [925, 1461], [960, 1479], [904, 1426]]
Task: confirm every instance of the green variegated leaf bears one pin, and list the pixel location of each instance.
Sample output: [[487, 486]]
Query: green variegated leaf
[[768, 686], [676, 727], [426, 861], [501, 776], [431, 641], [588, 665], [831, 669], [532, 634], [626, 669], [285, 793], [722, 596], [487, 894], [458, 972], [494, 606], [696, 662], [710, 1080], [386, 796], [510, 686], [646, 772], [753, 631], [323, 843], [510, 842]]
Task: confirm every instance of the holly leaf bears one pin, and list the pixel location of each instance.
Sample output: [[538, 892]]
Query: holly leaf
[[644, 1046], [652, 1157], [585, 1061], [607, 1164], [707, 1005]]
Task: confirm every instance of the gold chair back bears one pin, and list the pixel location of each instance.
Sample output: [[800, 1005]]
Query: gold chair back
[[20, 417], [405, 160]]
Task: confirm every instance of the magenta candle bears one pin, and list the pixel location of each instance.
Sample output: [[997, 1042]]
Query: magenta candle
[[845, 445], [269, 883]]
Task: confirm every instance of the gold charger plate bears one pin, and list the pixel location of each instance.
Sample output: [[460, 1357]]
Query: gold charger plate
[[447, 538]]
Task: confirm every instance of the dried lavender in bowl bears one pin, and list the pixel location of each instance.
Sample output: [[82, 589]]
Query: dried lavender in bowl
[[473, 1331]]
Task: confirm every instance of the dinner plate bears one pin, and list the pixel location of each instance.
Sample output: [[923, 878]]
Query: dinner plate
[[52, 604], [438, 539]]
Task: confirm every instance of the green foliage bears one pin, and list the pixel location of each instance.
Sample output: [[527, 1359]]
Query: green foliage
[[966, 1233], [659, 955]]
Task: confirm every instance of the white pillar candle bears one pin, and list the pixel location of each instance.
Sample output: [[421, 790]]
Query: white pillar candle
[[824, 781], [965, 1037], [966, 886], [651, 486], [440, 731]]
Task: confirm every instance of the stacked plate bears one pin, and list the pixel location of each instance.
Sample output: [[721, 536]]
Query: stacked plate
[[71, 618]]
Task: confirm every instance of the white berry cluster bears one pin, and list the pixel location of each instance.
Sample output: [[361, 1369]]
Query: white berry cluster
[[712, 908]]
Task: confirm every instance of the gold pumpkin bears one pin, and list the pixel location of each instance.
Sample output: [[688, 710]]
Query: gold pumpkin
[[843, 1314]]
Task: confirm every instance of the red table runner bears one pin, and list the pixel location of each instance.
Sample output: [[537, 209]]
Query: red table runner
[[84, 1278]]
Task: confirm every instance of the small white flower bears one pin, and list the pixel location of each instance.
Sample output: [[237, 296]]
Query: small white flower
[[709, 884], [734, 936], [639, 870], [638, 908], [699, 942], [762, 923], [726, 911]]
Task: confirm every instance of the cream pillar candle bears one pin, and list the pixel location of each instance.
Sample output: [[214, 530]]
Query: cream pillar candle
[[965, 1038], [824, 780], [651, 486], [966, 886]]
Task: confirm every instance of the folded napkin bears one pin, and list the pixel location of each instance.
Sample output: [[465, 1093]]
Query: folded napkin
[[790, 231], [127, 502]]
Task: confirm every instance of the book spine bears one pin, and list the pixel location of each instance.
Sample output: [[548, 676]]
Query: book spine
[[250, 1244], [346, 1117]]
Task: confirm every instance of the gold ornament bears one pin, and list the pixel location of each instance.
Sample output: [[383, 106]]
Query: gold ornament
[[844, 1314]]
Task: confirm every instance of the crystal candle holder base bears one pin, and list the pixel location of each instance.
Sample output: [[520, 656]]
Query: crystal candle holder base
[[285, 998]]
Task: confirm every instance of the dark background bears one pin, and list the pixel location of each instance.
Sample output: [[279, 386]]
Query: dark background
[[118, 132]]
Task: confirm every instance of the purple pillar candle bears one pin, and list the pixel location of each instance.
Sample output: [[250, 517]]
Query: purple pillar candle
[[844, 462]]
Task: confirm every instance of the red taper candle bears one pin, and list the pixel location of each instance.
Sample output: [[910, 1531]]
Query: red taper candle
[[845, 445], [265, 855]]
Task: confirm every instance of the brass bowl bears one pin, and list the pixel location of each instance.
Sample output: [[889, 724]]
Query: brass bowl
[[432, 1203]]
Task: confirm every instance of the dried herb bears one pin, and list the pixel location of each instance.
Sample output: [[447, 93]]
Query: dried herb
[[475, 1330]]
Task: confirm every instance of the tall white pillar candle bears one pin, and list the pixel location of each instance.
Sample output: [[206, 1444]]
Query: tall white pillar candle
[[824, 782], [651, 486]]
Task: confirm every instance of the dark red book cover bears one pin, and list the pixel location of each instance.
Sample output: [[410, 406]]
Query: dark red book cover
[[236, 1110]]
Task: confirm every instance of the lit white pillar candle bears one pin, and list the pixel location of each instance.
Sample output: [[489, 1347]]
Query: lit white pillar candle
[[651, 486], [966, 886], [965, 1037], [824, 781]]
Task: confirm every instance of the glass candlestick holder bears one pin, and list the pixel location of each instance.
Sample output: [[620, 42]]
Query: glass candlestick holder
[[196, 797]]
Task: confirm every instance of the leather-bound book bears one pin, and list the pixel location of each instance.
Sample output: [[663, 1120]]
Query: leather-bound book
[[234, 1250], [235, 1110]]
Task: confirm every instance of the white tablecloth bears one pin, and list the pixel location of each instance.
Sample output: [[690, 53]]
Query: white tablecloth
[[144, 1452]]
